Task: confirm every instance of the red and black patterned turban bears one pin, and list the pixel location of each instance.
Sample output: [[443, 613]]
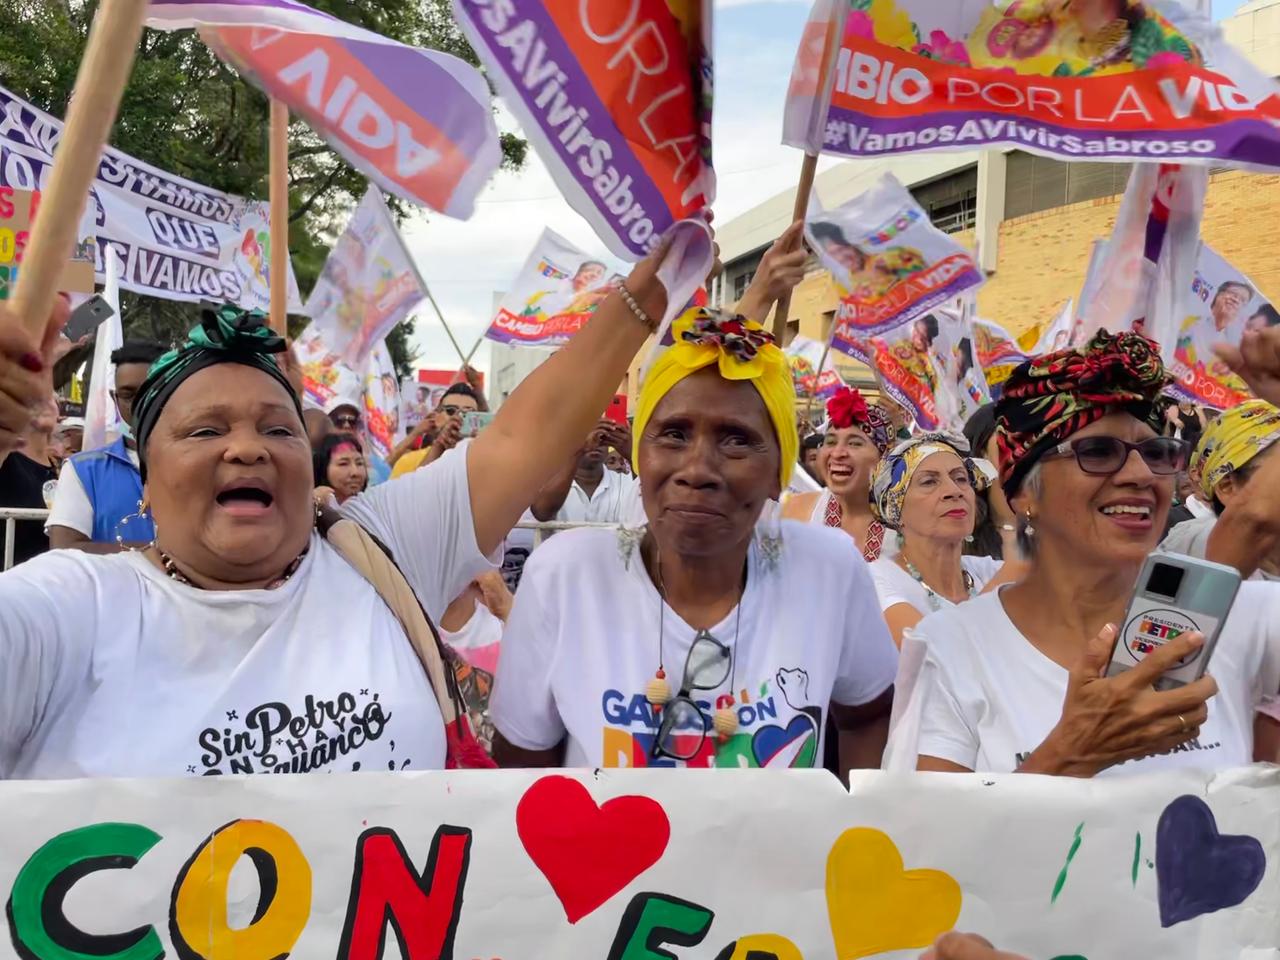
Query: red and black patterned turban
[[1050, 398]]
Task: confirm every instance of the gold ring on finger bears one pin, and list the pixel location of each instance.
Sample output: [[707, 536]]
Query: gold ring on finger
[[1183, 720]]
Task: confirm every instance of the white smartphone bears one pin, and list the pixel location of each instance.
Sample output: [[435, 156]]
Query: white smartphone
[[1175, 595]]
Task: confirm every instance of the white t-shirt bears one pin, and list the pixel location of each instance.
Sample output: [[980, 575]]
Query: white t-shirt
[[612, 501], [894, 585], [991, 697], [479, 640], [582, 644], [110, 668], [1191, 539], [71, 507]]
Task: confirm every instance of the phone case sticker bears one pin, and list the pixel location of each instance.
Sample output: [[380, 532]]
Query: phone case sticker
[[1149, 630]]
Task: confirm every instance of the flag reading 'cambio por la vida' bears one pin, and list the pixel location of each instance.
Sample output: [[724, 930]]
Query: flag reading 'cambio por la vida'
[[615, 97], [1105, 80], [416, 122]]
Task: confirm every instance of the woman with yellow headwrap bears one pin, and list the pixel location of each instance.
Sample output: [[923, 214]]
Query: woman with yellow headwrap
[[708, 637], [1230, 466]]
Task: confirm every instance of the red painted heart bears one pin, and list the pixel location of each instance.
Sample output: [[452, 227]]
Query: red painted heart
[[587, 852]]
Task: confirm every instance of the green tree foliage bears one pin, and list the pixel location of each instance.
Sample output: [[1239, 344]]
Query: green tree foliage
[[186, 112]]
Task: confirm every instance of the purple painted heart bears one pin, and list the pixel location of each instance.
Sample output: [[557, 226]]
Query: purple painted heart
[[1198, 869]]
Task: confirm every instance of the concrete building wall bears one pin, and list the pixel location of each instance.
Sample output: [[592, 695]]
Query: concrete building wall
[[1255, 30]]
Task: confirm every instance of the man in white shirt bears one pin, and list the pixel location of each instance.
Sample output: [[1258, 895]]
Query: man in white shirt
[[584, 491]]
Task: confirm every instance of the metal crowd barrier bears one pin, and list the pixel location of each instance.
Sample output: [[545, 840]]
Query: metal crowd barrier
[[10, 516]]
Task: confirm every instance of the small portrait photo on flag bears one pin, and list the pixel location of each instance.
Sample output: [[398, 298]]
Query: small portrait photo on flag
[[1221, 305], [888, 259], [556, 292]]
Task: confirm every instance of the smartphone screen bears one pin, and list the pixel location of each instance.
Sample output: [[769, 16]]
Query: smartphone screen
[[474, 421]]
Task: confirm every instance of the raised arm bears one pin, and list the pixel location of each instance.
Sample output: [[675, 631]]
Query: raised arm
[[544, 421]]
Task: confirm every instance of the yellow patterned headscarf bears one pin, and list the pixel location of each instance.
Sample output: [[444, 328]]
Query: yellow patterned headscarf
[[896, 469], [744, 350], [1232, 440]]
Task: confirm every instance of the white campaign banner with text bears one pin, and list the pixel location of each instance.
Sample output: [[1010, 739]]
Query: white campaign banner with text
[[176, 239], [641, 865]]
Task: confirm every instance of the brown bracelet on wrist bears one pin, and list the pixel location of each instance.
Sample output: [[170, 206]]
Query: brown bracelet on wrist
[[637, 311]]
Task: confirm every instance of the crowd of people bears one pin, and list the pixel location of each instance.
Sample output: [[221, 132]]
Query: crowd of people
[[206, 557]]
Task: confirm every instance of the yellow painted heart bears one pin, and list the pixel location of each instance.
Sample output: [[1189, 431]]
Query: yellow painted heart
[[876, 906]]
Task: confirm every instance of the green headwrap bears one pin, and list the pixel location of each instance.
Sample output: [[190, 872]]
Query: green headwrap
[[226, 334]]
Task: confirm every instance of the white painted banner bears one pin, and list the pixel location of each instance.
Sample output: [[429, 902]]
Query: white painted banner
[[177, 239], [522, 865]]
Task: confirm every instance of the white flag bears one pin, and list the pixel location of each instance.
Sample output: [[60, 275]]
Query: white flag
[[101, 418], [369, 283], [1057, 335], [1140, 284]]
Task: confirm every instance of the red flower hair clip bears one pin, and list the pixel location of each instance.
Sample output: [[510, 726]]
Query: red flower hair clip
[[847, 407]]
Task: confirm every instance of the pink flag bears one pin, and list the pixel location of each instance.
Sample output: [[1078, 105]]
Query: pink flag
[[416, 122]]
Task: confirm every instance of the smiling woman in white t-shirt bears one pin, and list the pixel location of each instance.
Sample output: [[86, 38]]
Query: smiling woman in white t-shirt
[[1015, 680], [925, 490], [709, 638], [241, 640]]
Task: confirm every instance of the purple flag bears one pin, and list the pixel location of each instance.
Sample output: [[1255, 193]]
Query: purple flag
[[416, 122]]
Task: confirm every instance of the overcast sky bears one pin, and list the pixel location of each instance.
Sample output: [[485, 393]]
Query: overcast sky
[[467, 262]]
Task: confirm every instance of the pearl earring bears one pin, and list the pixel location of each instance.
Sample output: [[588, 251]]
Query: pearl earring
[[1031, 530]]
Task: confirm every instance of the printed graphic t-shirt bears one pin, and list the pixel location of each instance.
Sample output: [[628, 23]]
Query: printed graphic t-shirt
[[582, 644], [110, 668], [991, 697]]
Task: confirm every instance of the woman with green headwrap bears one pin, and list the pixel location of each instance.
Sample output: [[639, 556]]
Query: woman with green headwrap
[[241, 640], [708, 637]]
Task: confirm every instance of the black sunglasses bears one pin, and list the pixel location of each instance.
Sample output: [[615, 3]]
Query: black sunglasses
[[1106, 456], [706, 668]]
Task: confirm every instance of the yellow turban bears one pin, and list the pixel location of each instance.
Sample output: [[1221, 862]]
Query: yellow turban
[[744, 351], [1232, 440]]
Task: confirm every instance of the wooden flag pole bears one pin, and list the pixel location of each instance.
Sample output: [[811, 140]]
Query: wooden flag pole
[[809, 167], [807, 170], [278, 194], [100, 83], [822, 365]]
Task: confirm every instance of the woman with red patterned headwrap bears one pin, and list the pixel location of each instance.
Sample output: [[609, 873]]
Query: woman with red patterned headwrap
[[856, 438], [1016, 679]]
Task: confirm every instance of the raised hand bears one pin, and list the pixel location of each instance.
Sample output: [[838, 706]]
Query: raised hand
[[26, 372], [1256, 361], [965, 946], [780, 270], [1108, 720]]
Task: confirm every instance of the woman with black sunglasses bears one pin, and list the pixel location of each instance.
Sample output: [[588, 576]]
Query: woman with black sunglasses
[[1015, 680]]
